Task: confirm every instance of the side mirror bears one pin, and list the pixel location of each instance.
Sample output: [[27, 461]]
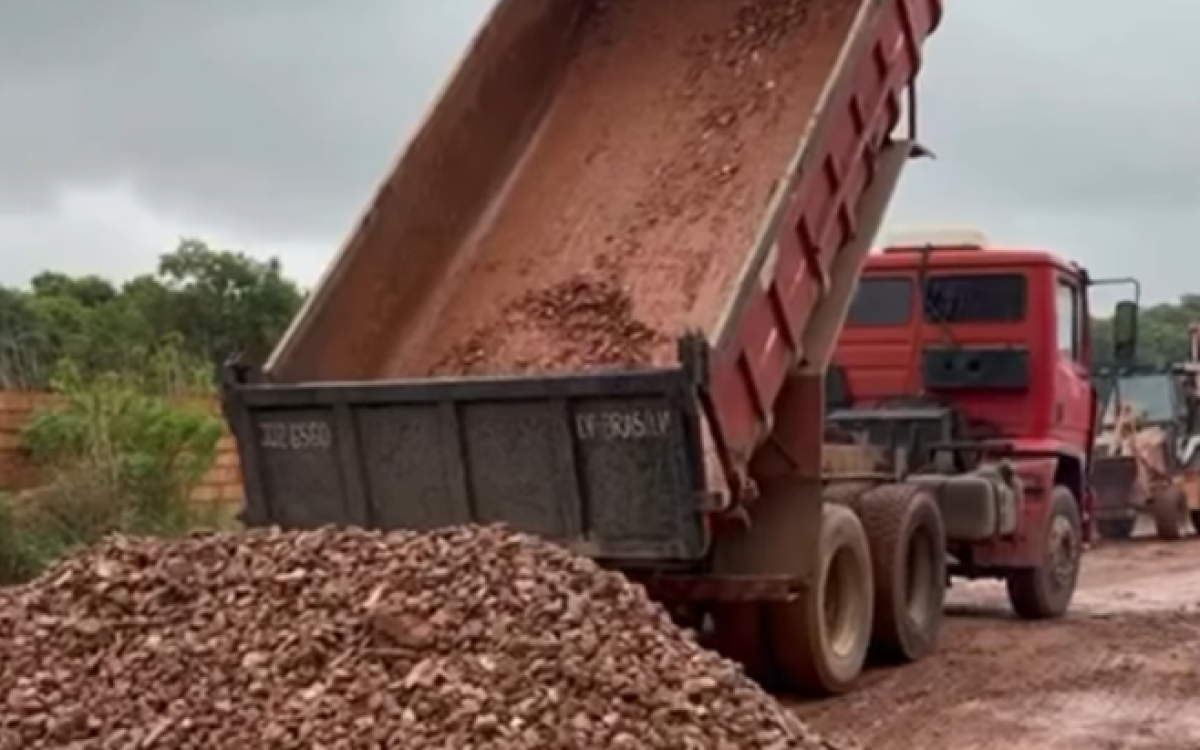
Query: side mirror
[[1125, 332]]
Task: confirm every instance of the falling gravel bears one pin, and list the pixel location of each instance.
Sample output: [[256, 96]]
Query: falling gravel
[[651, 173], [464, 638]]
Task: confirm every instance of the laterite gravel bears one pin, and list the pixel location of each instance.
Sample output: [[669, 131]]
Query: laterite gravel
[[465, 638]]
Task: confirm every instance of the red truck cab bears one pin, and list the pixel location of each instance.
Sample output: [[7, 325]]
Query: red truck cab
[[999, 338]]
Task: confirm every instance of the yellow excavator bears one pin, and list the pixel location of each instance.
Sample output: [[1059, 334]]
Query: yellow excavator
[[1147, 452]]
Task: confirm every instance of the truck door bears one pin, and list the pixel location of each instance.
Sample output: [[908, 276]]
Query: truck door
[[1072, 411]]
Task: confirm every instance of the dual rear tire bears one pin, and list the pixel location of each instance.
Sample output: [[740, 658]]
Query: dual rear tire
[[815, 644], [878, 588], [906, 535]]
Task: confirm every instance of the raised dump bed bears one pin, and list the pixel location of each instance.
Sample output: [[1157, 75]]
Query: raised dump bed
[[588, 187], [503, 338]]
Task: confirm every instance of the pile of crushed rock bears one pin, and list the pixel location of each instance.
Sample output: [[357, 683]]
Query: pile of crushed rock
[[463, 638]]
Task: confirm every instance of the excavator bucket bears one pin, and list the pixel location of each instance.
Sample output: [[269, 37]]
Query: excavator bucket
[[1114, 480]]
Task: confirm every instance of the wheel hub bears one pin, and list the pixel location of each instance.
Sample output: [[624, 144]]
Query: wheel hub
[[1064, 551], [842, 602], [918, 591]]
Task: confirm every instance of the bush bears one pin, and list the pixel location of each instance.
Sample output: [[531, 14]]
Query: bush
[[121, 452], [18, 558]]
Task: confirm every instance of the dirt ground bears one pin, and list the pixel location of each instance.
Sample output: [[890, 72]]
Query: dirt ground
[[1123, 671]]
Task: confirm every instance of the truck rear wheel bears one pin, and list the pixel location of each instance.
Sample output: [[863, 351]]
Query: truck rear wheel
[[908, 560], [819, 642], [1046, 591], [1170, 510]]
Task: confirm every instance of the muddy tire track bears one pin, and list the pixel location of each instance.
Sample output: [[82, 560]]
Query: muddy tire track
[[1123, 671]]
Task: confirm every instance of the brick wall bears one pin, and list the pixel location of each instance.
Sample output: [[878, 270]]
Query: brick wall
[[15, 471], [223, 483]]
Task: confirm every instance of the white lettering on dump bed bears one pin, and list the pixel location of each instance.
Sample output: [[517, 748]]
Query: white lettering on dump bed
[[296, 436], [623, 425]]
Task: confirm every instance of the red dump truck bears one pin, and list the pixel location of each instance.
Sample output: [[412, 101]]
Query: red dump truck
[[965, 366], [596, 300]]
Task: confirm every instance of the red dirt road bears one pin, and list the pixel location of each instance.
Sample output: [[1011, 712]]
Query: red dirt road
[[1122, 672]]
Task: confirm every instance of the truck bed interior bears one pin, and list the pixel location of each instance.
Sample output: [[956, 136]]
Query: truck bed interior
[[588, 187]]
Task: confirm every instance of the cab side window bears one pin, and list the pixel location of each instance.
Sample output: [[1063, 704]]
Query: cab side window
[[1066, 310]]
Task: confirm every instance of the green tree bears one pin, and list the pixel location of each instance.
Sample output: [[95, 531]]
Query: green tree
[[88, 323], [220, 302], [89, 291], [207, 303], [1162, 332], [25, 342]]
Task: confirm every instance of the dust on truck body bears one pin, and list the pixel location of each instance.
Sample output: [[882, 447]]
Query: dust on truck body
[[702, 477]]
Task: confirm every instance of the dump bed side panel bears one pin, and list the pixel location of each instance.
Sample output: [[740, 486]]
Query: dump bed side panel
[[433, 197], [794, 291], [606, 465]]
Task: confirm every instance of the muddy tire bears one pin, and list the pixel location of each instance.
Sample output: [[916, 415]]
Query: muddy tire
[[1170, 510], [1116, 529], [907, 539], [819, 642], [816, 643], [1046, 592]]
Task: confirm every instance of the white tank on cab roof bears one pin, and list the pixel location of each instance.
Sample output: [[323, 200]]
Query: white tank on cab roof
[[935, 237]]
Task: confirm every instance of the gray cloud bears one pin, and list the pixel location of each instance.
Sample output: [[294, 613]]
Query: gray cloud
[[1066, 124], [1069, 109], [276, 115], [1069, 125]]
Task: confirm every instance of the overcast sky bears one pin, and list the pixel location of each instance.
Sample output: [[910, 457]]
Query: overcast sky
[[265, 126]]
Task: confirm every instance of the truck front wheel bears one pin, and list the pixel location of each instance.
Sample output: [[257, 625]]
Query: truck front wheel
[[1046, 591]]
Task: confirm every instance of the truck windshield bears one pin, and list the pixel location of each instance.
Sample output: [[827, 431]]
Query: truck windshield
[[958, 298], [975, 298], [882, 301]]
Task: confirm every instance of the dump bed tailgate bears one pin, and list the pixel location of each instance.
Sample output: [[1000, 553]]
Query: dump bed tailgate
[[607, 465]]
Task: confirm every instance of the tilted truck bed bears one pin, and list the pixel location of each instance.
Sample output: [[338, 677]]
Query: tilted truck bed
[[724, 170]]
